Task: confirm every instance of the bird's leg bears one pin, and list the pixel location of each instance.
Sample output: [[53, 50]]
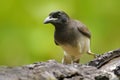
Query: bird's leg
[[91, 53], [67, 59], [76, 61]]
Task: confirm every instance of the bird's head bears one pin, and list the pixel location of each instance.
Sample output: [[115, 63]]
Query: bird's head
[[57, 17]]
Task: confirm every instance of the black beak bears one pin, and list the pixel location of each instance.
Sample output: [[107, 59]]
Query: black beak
[[49, 20]]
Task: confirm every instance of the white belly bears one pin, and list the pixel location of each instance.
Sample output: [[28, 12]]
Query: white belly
[[83, 46]]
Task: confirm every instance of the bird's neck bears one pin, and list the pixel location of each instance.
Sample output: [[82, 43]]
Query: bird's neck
[[60, 27]]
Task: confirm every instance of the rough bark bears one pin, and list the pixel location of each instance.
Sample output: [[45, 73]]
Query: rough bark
[[104, 67]]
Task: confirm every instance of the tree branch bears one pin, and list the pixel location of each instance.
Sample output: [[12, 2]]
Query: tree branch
[[104, 67]]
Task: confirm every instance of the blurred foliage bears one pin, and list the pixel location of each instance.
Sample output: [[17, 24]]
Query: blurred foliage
[[25, 39]]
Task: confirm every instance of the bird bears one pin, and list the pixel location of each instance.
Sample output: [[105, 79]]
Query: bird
[[71, 35]]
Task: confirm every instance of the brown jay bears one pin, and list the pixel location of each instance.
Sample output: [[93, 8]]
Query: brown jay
[[72, 35]]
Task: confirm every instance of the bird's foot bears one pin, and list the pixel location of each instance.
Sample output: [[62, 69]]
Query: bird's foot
[[93, 54]]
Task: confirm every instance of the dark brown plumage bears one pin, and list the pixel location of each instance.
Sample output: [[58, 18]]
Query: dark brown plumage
[[71, 35]]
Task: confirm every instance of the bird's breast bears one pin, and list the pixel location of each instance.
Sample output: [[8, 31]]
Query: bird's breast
[[66, 37]]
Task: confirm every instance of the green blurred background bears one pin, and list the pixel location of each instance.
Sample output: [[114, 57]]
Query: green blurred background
[[24, 38]]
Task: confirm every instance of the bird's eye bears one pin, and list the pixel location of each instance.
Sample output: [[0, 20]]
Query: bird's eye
[[56, 16]]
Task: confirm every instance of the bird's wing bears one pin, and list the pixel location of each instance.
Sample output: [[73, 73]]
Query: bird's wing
[[83, 29]]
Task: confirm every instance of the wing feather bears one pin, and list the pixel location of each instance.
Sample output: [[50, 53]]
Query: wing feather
[[83, 29]]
